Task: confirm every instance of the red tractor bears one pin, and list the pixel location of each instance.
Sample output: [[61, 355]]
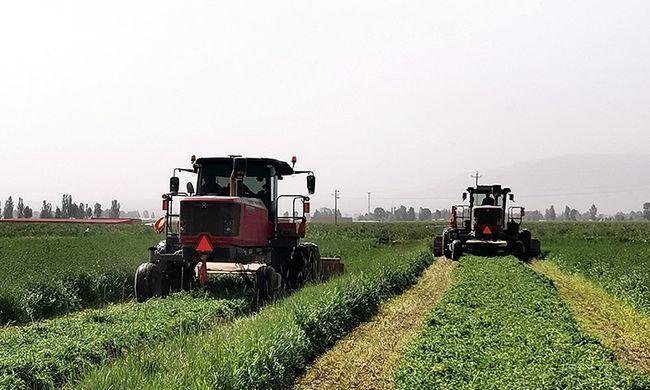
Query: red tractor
[[486, 225], [232, 225]]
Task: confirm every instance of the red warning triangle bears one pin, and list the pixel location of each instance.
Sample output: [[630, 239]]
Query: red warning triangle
[[486, 230], [204, 245]]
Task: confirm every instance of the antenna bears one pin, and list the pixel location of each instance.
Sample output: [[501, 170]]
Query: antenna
[[476, 176]]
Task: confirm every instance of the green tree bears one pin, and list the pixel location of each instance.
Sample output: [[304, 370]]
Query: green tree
[[593, 212], [425, 214], [46, 210], [57, 213], [8, 212], [20, 208], [114, 212], [28, 212], [97, 210]]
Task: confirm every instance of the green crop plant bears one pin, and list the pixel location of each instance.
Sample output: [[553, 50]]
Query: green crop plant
[[501, 326]]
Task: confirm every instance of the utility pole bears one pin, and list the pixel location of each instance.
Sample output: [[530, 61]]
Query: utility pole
[[337, 196], [476, 176], [368, 203]]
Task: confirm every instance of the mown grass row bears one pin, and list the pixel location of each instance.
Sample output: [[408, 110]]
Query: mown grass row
[[268, 350], [51, 352], [503, 326], [616, 255]]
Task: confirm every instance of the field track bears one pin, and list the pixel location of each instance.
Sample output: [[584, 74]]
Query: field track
[[615, 323], [359, 361]]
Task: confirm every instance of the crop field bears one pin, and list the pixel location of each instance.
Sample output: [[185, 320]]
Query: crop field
[[503, 326], [483, 322]]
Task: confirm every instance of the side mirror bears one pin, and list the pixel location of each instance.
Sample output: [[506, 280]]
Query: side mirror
[[511, 197], [311, 184], [464, 195], [174, 184], [190, 188]]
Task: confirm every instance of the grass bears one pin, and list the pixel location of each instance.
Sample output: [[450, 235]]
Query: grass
[[54, 269], [268, 350], [615, 323], [616, 255], [367, 357], [49, 353], [504, 326]]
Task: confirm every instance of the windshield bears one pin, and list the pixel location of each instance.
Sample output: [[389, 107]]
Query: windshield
[[487, 200], [214, 179]]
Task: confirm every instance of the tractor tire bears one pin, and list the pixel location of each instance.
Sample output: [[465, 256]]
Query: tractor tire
[[268, 284], [456, 249], [535, 249], [524, 236], [177, 278], [446, 246], [148, 282], [519, 250], [437, 246]]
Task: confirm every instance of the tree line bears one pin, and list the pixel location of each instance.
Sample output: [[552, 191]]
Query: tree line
[[591, 214], [68, 209]]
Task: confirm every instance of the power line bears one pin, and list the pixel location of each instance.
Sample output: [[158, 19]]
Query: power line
[[337, 196]]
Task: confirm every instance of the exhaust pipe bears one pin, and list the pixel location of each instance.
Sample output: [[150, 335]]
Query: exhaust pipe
[[239, 165]]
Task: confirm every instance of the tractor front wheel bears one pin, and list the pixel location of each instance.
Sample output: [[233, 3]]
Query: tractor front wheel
[[519, 249], [437, 246], [268, 283], [148, 282], [456, 249], [446, 246]]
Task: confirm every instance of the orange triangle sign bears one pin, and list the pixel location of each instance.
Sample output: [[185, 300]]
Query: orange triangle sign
[[204, 245], [486, 230]]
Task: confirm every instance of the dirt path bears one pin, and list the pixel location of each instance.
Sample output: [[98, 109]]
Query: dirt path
[[612, 321], [366, 358]]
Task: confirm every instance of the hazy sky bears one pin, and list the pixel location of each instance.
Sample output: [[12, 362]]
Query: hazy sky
[[102, 99]]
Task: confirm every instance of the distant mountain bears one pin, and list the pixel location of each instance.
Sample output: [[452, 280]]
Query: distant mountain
[[614, 182]]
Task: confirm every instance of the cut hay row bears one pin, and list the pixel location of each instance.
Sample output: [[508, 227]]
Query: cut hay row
[[617, 324], [367, 357], [501, 325]]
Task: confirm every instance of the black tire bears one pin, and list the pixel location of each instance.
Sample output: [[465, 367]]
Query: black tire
[[524, 237], [535, 249], [519, 249], [446, 246], [268, 283], [456, 249], [148, 282], [437, 246]]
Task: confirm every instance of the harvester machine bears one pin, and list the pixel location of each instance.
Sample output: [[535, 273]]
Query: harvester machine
[[232, 225], [486, 225]]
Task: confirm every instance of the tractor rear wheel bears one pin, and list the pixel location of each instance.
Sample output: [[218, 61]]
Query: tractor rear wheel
[[148, 282], [437, 246], [456, 249]]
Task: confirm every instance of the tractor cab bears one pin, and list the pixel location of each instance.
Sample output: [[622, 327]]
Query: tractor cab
[[487, 204]]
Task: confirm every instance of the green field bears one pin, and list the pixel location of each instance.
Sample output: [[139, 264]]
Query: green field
[[501, 325], [616, 255], [53, 269]]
